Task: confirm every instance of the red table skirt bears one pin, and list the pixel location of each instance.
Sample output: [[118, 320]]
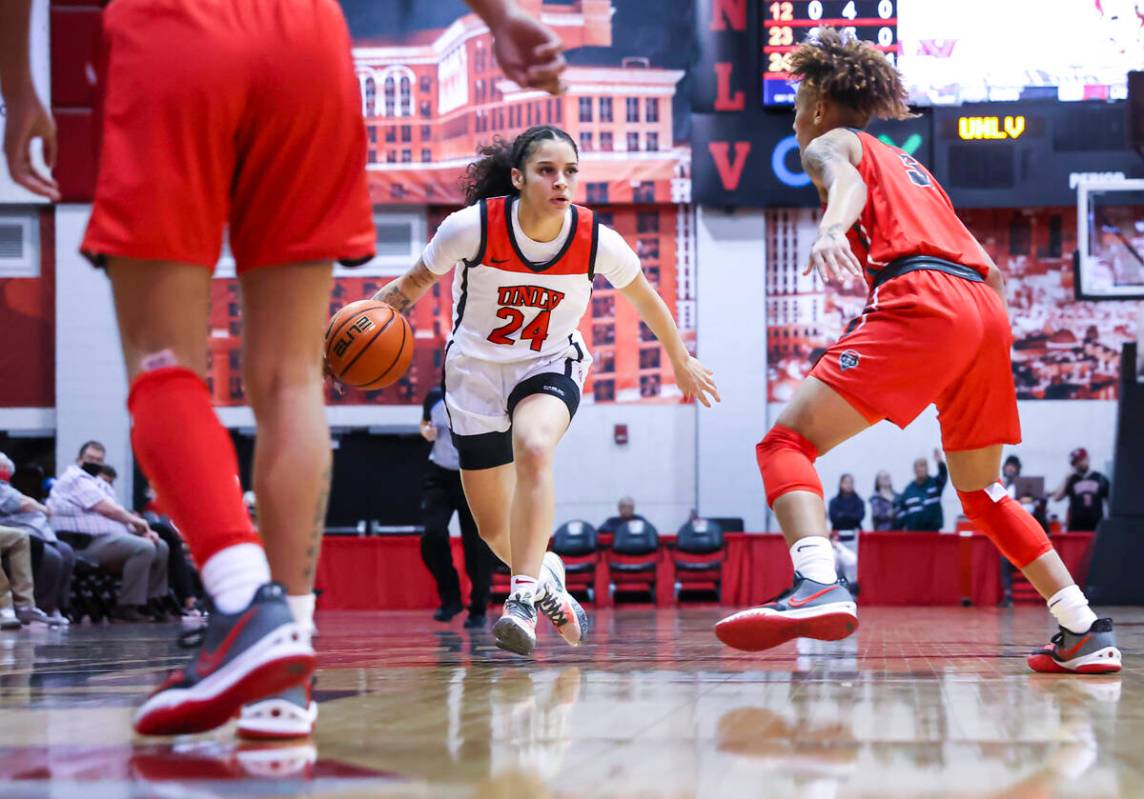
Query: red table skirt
[[894, 568]]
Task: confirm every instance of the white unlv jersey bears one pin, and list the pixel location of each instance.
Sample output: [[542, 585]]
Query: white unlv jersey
[[507, 308]]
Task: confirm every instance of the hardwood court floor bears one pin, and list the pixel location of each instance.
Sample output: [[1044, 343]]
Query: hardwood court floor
[[920, 702]]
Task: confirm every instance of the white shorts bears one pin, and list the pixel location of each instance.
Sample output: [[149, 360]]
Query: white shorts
[[480, 397]]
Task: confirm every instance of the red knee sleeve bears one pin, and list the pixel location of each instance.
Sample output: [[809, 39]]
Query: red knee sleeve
[[188, 457], [1006, 523], [786, 461]]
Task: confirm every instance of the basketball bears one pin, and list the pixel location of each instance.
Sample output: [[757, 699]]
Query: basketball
[[368, 345]]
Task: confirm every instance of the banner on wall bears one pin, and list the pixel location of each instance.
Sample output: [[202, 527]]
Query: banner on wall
[[752, 158], [432, 93], [41, 77]]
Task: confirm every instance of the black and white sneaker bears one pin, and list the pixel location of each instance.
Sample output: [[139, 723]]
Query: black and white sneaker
[[515, 631]]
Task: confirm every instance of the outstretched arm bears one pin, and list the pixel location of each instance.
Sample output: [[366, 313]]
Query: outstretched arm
[[407, 289], [528, 51], [829, 161], [693, 378]]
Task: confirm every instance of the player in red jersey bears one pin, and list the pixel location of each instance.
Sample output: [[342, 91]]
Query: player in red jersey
[[244, 113], [935, 330]]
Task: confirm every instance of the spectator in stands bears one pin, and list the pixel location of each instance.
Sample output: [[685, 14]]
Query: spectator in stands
[[108, 474], [920, 505], [884, 502], [182, 577], [115, 538], [627, 512], [1036, 508], [1086, 491], [17, 603], [53, 560], [847, 510], [1010, 471]]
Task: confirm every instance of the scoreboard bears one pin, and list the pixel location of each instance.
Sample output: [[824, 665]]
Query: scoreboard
[[787, 23]]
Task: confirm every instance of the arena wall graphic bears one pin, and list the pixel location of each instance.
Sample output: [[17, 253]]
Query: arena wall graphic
[[432, 93]]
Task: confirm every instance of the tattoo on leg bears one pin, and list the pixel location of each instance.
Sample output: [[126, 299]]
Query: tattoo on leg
[[319, 526]]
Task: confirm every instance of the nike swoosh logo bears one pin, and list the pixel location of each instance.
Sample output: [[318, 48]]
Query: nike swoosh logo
[[209, 661], [804, 546], [798, 603], [498, 260], [1076, 648]]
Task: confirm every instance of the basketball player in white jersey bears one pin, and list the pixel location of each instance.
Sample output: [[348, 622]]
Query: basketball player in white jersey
[[515, 363]]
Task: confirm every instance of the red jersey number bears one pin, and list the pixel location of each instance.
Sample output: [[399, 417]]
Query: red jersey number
[[536, 331]]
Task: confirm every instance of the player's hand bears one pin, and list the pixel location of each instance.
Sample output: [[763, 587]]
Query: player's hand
[[428, 432], [832, 257], [27, 119], [696, 381], [529, 53]]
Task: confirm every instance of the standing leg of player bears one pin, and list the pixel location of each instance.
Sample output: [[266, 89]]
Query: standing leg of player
[[1084, 644], [817, 419], [251, 646], [539, 421], [489, 493], [282, 358]]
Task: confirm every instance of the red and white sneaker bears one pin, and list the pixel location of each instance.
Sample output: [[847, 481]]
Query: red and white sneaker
[[561, 608], [1091, 652], [287, 715], [825, 611], [243, 657]]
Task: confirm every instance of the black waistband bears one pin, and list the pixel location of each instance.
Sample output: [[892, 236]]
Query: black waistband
[[915, 263]]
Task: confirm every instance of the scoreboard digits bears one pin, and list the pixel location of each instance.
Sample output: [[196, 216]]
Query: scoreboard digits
[[787, 23]]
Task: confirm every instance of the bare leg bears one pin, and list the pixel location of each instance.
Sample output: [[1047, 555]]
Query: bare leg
[[162, 307], [973, 470], [284, 310], [538, 424], [820, 415], [489, 493]]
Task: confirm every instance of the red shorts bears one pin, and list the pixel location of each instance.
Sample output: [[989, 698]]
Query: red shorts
[[930, 337], [243, 113]]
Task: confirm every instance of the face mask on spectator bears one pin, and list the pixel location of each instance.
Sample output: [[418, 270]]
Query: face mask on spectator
[[1029, 507], [93, 469]]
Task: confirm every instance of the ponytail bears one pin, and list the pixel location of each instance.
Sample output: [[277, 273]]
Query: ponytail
[[491, 174]]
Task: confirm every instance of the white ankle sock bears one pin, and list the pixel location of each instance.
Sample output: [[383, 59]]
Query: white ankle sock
[[813, 558], [1070, 608], [302, 606], [232, 575], [524, 585]]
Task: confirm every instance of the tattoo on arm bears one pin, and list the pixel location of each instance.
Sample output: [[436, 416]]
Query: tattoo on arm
[[819, 160], [319, 526], [392, 295]]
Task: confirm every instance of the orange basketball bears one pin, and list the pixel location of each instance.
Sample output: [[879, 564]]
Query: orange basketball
[[368, 345]]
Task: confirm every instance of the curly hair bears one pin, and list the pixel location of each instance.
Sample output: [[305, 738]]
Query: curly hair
[[491, 174], [851, 73]]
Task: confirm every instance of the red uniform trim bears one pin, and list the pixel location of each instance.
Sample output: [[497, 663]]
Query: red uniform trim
[[501, 250]]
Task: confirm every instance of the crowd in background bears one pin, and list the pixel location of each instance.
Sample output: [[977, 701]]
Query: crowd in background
[[51, 528]]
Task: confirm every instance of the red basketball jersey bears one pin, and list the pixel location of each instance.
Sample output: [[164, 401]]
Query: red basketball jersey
[[907, 213]]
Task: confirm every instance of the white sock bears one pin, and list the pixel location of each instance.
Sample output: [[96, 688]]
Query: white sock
[[523, 585], [232, 575], [302, 606], [813, 558], [1070, 608]]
